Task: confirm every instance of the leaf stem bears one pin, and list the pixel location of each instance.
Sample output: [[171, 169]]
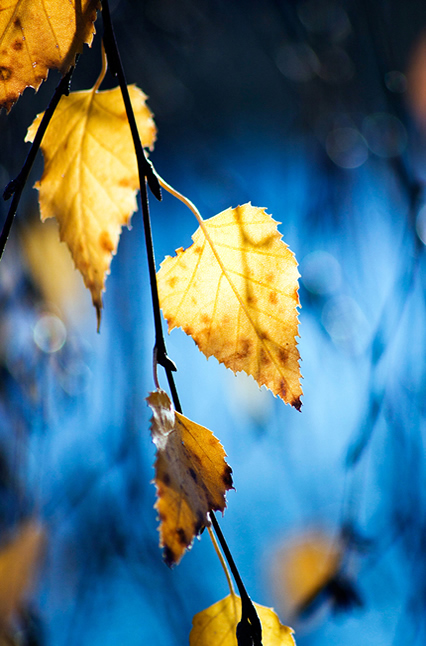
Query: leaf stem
[[103, 71], [16, 186], [114, 61], [146, 174], [249, 630], [249, 626], [222, 561]]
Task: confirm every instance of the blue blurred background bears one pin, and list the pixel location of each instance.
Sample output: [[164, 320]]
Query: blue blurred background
[[316, 110]]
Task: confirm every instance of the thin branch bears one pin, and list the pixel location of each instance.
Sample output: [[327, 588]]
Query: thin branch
[[146, 174], [249, 630], [16, 186]]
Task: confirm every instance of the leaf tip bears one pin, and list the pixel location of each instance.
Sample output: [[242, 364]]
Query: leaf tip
[[98, 316]]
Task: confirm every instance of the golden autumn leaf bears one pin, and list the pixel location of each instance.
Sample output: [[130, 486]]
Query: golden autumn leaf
[[235, 291], [90, 176], [307, 572], [191, 476], [218, 624], [38, 35], [18, 561]]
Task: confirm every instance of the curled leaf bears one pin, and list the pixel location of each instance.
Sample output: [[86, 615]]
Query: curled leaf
[[191, 476], [235, 291], [90, 176], [218, 624], [38, 35]]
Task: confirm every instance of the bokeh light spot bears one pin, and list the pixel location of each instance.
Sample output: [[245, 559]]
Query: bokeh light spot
[[50, 333], [346, 324], [396, 81], [421, 224], [346, 147], [321, 273], [385, 134]]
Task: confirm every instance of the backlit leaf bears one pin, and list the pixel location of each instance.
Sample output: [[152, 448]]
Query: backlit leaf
[[90, 176], [38, 35], [239, 299], [18, 561], [218, 624], [191, 476]]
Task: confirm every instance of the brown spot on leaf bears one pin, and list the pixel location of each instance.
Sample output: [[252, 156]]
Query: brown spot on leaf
[[205, 319], [227, 477], [264, 335], [106, 242], [166, 479], [169, 556], [264, 357], [17, 45], [198, 250], [172, 281], [5, 73], [246, 348], [273, 298], [297, 404], [283, 388], [251, 300], [283, 355], [181, 536], [17, 23]]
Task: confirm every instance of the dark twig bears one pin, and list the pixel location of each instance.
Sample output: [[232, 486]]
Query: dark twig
[[146, 174], [16, 186], [249, 630]]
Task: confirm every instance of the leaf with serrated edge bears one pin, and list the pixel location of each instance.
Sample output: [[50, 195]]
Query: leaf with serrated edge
[[91, 177], [39, 35], [218, 624], [239, 300], [191, 476]]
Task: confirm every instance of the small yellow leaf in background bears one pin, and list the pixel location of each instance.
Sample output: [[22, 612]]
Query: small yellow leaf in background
[[240, 303], [302, 567], [38, 35], [60, 288], [18, 561], [218, 624], [90, 176], [191, 476]]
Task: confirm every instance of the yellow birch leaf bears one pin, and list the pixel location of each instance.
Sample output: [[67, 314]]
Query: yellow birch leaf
[[218, 624], [191, 476], [235, 291], [18, 561], [303, 567], [38, 35], [90, 176]]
